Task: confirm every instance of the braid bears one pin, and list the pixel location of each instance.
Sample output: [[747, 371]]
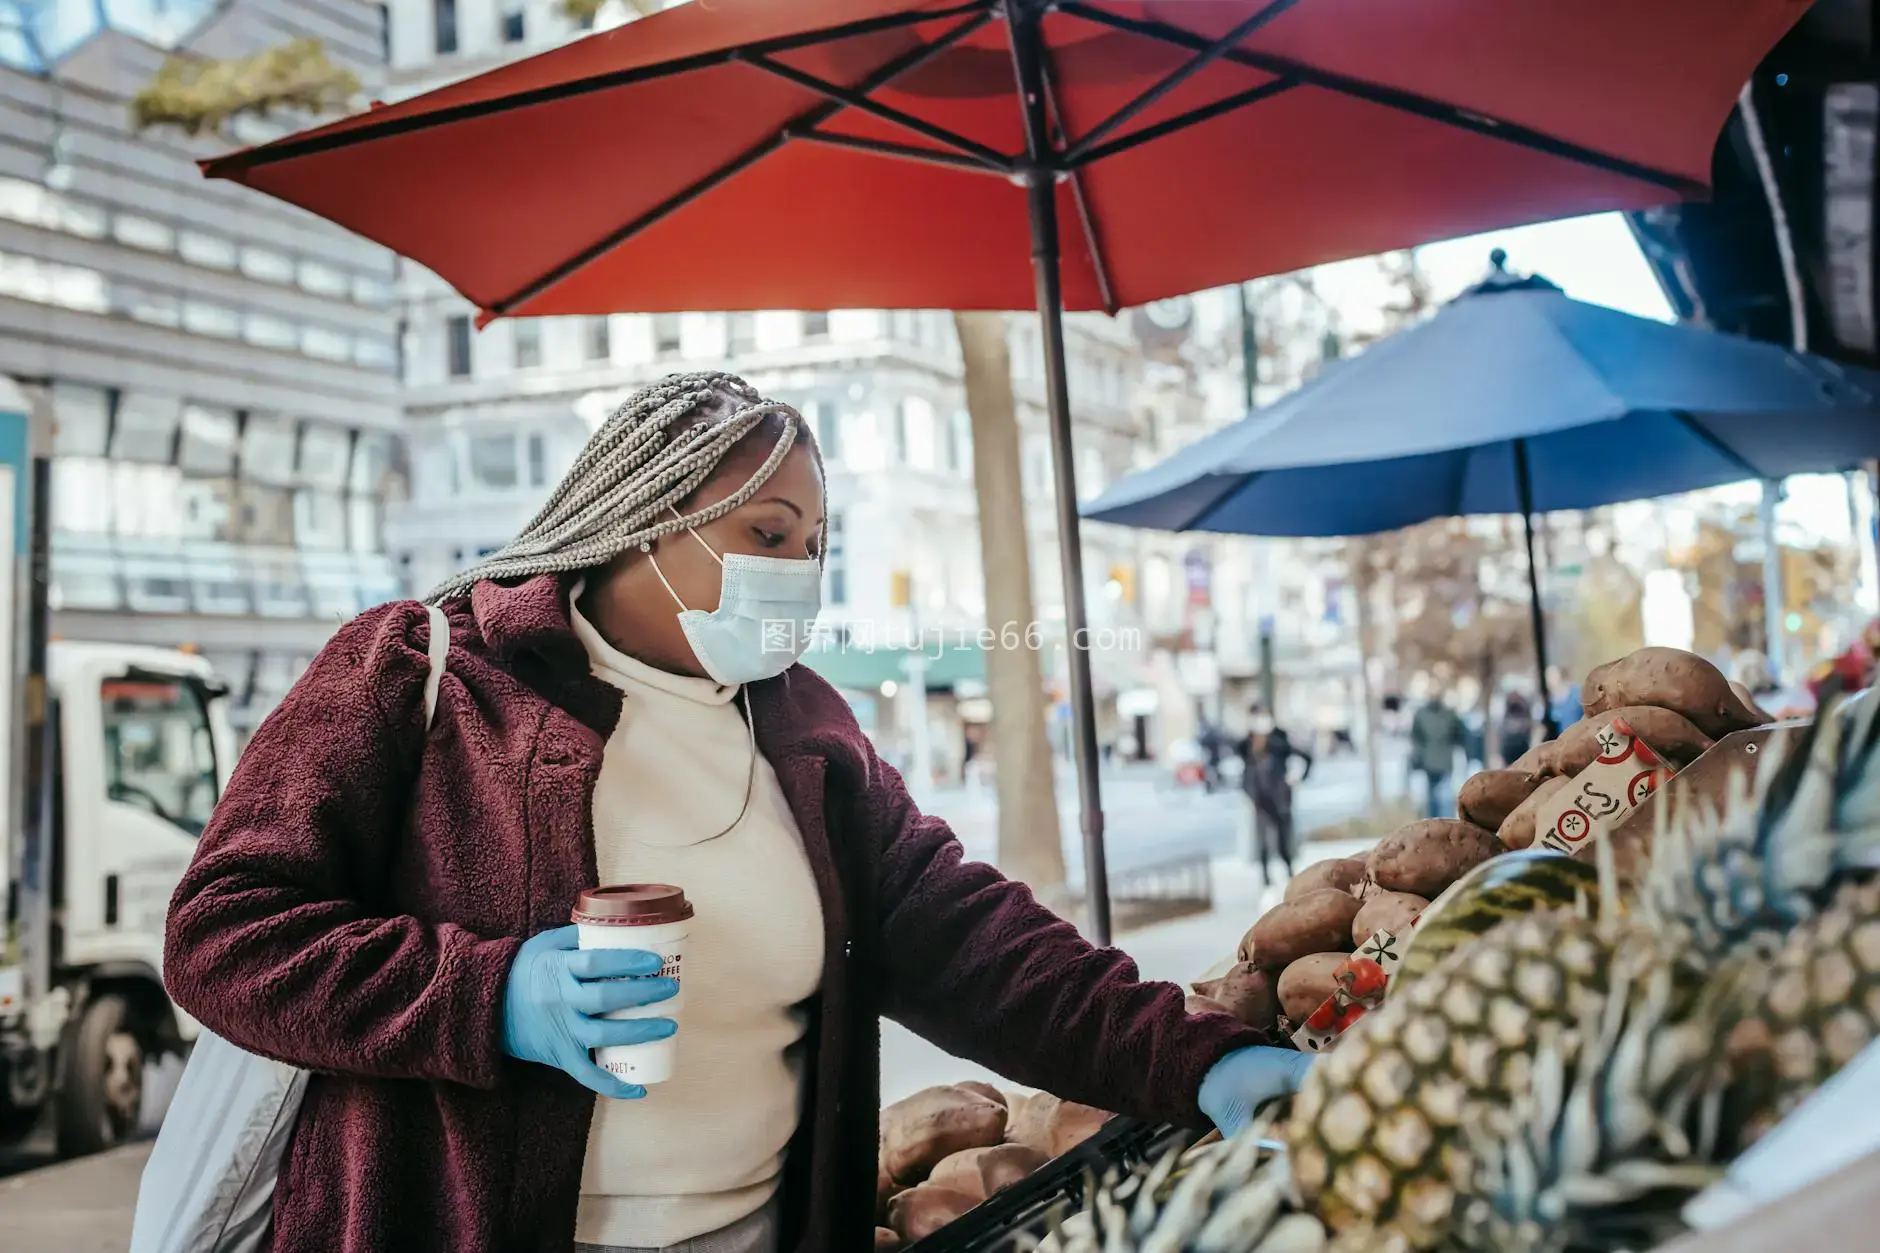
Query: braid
[[625, 488]]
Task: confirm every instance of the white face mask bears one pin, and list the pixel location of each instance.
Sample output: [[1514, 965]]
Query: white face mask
[[1262, 724], [767, 607]]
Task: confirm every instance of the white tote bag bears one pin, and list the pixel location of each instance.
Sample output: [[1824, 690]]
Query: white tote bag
[[209, 1184]]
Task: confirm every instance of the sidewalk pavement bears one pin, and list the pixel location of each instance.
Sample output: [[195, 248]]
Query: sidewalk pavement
[[82, 1206], [1180, 951]]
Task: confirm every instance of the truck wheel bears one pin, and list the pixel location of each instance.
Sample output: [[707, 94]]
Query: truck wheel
[[103, 1091]]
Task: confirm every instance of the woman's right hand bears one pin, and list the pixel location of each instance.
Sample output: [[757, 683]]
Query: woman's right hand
[[557, 993]]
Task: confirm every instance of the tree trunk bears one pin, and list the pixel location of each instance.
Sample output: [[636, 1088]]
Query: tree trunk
[[1031, 848]]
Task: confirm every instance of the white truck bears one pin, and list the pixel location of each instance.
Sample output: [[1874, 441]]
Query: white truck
[[115, 756]]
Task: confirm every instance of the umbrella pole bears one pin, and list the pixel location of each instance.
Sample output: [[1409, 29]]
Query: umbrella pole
[[1041, 192], [1524, 487]]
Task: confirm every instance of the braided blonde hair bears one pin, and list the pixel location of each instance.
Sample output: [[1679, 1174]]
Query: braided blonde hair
[[646, 460]]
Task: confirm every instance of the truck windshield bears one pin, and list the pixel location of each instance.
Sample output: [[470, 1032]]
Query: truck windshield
[[159, 753]]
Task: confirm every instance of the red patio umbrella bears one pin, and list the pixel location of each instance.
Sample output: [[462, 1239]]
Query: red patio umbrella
[[993, 154]]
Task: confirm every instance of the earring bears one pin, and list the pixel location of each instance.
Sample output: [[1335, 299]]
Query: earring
[[646, 546]]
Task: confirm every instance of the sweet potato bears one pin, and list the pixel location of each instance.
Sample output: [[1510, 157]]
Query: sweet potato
[[979, 1173], [1318, 922], [920, 1132], [1244, 951], [1425, 857], [1343, 873], [1054, 1127], [1386, 911], [1518, 830], [1246, 992], [1304, 985], [1530, 762], [1763, 716], [886, 1241], [1204, 1005], [1007, 1164], [1670, 734], [919, 1212], [1669, 678], [1487, 797], [885, 1188], [984, 1089]]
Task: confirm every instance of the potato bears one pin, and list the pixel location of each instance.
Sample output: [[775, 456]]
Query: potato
[[1425, 857], [1343, 873], [1054, 1127], [1246, 992], [1318, 922], [919, 1212], [920, 1132], [1670, 734], [1518, 831], [886, 1241], [1304, 985], [984, 1089], [1386, 911], [1672, 679], [1489, 796]]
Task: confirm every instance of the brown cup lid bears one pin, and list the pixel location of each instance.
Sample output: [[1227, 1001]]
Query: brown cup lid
[[633, 905]]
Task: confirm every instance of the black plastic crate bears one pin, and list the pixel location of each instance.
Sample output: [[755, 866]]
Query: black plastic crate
[[1014, 1219]]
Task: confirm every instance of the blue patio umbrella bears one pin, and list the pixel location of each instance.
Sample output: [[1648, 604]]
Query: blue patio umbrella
[[1511, 399]]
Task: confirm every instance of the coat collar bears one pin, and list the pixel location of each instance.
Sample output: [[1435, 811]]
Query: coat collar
[[797, 713]]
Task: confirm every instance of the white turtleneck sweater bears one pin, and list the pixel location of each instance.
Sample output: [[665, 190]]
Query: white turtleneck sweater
[[704, 1150]]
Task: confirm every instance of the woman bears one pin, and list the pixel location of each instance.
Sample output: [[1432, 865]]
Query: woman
[[1269, 752], [387, 907]]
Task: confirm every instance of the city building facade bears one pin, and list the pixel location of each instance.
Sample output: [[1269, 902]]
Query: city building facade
[[218, 372]]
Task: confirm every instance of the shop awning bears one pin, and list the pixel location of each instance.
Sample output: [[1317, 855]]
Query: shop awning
[[866, 669]]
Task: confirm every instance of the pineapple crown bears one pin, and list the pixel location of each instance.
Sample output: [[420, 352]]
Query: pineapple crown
[[1781, 842]]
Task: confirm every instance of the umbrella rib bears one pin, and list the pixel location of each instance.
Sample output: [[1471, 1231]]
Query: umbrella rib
[[1716, 445], [990, 158], [1173, 79], [808, 120], [324, 141], [1106, 291], [910, 152], [1393, 98], [1239, 100]]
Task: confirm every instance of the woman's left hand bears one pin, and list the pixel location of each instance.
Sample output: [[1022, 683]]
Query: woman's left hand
[[1244, 1080]]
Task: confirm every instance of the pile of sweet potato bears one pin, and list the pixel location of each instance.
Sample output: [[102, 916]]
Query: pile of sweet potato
[[1675, 701], [946, 1149], [1287, 963]]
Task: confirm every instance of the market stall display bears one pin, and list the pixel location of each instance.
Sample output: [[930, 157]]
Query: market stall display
[[1553, 1058]]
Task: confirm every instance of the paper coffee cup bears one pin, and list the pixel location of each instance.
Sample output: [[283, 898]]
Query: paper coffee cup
[[654, 917]]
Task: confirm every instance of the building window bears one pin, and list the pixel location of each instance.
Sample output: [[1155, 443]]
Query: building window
[[444, 14], [324, 280], [208, 443], [267, 265], [493, 461], [268, 444], [538, 461], [828, 424], [600, 338], [319, 341], [666, 334], [740, 334], [143, 233], [528, 341], [212, 251], [146, 428], [815, 327], [457, 339], [835, 562], [264, 330], [515, 27]]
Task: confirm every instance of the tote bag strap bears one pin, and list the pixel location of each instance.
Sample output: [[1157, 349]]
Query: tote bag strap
[[439, 650]]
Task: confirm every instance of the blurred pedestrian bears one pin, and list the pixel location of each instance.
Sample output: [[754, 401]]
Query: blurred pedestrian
[[1436, 734], [1517, 728], [1269, 752]]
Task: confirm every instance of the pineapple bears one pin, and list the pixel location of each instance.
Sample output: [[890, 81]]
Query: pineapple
[[1565, 1079], [1225, 1197]]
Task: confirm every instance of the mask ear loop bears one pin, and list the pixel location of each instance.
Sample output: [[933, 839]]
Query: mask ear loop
[[646, 547]]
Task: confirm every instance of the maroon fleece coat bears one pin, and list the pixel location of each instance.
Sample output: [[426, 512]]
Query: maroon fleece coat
[[360, 893]]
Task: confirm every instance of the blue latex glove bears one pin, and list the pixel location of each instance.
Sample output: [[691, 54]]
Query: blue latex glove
[[555, 994], [1248, 1078]]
